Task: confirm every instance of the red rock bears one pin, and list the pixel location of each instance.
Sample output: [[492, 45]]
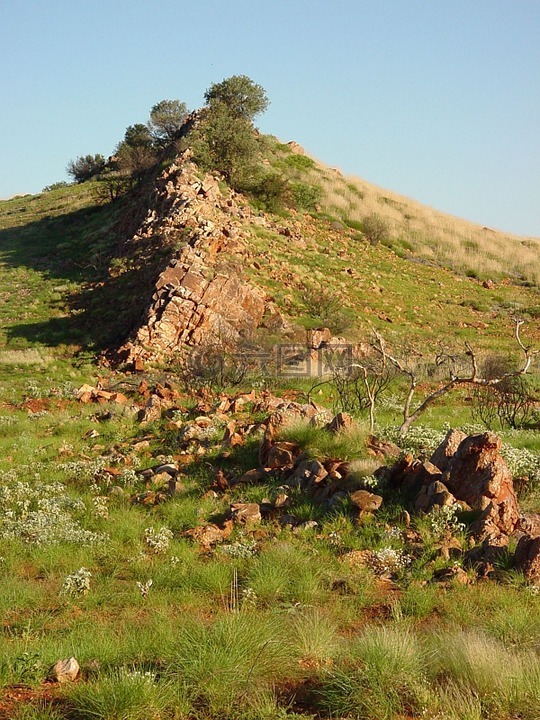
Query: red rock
[[479, 475], [447, 449], [342, 421], [246, 513], [527, 557]]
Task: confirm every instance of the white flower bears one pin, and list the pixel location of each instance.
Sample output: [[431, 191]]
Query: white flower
[[78, 583], [144, 588]]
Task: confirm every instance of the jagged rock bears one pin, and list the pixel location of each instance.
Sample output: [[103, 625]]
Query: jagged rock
[[479, 475], [232, 437], [342, 421], [485, 557], [435, 494], [447, 449], [318, 338], [366, 502], [382, 448], [168, 468], [160, 479], [455, 573], [88, 393], [65, 671], [527, 557], [281, 455], [151, 411], [408, 472], [246, 513], [282, 501], [209, 535], [395, 475], [450, 548], [310, 473], [529, 524], [250, 477], [193, 300]]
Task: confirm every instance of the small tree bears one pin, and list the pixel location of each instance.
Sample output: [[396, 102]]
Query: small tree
[[226, 143], [509, 401], [359, 384], [84, 168], [242, 97], [136, 151], [166, 121], [469, 376]]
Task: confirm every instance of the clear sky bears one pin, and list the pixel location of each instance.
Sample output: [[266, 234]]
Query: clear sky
[[436, 99]]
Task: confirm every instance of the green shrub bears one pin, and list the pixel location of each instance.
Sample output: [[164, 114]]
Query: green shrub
[[304, 196], [299, 162]]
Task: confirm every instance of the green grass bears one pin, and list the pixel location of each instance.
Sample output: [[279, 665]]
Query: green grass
[[288, 626]]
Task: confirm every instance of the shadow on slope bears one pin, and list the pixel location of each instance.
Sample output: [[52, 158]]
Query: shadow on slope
[[58, 289]]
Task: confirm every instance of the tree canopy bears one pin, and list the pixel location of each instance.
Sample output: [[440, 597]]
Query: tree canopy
[[86, 167], [166, 120], [243, 98]]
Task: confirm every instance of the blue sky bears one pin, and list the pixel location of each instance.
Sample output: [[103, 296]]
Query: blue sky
[[435, 99]]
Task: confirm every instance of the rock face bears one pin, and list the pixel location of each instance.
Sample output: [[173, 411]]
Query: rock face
[[447, 449], [199, 297], [478, 474]]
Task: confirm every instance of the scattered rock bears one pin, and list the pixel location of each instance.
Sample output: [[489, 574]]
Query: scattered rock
[[527, 557], [281, 455], [366, 502], [342, 421], [208, 535], [382, 448], [65, 671], [246, 513]]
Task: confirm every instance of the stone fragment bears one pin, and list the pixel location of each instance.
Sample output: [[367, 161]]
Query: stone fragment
[[527, 557], [65, 671], [382, 448], [246, 513], [151, 411], [342, 421], [365, 501], [281, 455]]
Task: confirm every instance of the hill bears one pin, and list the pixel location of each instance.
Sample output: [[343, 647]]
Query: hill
[[193, 534]]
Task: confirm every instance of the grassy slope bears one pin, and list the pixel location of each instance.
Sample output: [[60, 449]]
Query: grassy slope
[[306, 630]]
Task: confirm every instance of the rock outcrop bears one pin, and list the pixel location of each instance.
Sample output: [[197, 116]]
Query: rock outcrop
[[199, 297], [478, 474]]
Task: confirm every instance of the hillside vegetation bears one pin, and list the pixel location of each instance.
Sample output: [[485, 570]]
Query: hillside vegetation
[[211, 541], [417, 231]]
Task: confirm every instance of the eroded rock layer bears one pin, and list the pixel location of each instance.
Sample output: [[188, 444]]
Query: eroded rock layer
[[200, 295]]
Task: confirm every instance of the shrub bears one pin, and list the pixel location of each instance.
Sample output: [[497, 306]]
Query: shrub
[[375, 228], [270, 192], [56, 186], [84, 168], [304, 196], [299, 162]]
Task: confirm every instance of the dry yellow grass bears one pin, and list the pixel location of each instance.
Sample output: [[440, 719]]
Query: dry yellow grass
[[426, 233]]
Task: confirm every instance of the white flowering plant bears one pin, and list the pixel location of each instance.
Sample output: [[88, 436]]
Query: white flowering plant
[[78, 583], [157, 541]]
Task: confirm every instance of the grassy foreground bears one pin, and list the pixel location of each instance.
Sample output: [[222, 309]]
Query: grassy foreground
[[275, 621]]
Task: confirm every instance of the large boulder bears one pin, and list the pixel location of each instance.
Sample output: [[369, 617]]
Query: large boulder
[[447, 449], [478, 475]]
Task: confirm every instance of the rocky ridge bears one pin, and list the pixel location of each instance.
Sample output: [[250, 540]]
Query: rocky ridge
[[200, 296]]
